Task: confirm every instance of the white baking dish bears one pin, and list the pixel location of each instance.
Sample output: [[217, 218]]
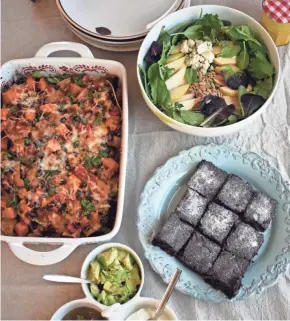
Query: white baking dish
[[53, 66]]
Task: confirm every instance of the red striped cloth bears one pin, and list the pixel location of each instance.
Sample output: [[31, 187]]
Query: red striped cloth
[[278, 10]]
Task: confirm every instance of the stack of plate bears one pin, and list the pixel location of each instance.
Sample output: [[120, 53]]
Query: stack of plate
[[117, 25]]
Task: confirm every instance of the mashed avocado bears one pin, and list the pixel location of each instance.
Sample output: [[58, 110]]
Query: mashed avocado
[[116, 276]]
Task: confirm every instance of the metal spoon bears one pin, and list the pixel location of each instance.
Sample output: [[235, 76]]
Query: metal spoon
[[166, 295], [65, 279]]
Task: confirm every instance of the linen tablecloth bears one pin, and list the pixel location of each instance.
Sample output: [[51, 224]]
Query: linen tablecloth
[[25, 28]]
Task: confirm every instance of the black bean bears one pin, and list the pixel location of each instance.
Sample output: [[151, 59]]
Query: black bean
[[34, 225], [63, 120], [76, 225], [89, 216]]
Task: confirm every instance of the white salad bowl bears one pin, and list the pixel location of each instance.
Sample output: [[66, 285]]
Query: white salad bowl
[[188, 15], [97, 251]]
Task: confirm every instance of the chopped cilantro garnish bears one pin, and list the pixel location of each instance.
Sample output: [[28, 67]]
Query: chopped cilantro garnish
[[51, 173], [14, 202], [8, 156], [78, 80], [95, 161], [13, 110], [91, 93], [61, 108], [27, 183], [27, 141], [78, 119], [99, 119], [87, 206], [76, 143], [51, 191]]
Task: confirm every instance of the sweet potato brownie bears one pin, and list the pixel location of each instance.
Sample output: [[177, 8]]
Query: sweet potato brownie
[[260, 211], [200, 253], [244, 241], [191, 207], [173, 235], [217, 222], [227, 273], [207, 179], [235, 194]]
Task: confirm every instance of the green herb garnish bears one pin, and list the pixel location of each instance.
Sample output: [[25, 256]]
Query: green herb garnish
[[87, 206], [99, 119], [50, 173], [14, 202], [78, 119], [27, 141], [27, 183]]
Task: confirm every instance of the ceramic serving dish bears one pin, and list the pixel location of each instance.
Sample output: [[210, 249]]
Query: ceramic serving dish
[[187, 15], [164, 190], [54, 66], [116, 311]]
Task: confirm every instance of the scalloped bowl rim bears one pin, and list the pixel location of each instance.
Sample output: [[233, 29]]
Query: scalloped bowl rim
[[195, 130]]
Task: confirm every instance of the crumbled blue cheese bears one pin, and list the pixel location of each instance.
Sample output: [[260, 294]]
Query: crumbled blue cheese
[[198, 54]]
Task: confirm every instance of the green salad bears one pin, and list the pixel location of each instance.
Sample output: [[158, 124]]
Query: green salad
[[207, 73], [116, 277]]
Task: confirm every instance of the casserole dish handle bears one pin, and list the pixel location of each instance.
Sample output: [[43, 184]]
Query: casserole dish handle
[[41, 258], [52, 47]]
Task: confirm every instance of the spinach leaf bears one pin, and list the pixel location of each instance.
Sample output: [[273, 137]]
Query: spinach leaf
[[191, 75], [220, 117], [259, 67], [253, 48], [252, 103], [192, 32], [264, 87], [230, 50], [212, 21], [241, 33], [241, 91], [165, 40], [192, 118], [243, 58], [144, 80], [176, 116], [52, 80], [179, 28], [166, 72], [159, 92]]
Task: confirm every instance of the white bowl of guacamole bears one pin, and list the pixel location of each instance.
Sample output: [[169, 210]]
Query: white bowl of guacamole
[[117, 274]]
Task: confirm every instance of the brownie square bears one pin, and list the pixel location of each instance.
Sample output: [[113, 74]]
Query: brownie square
[[244, 241], [227, 273], [217, 222], [235, 194], [260, 211], [207, 179], [200, 253], [173, 235], [191, 207]]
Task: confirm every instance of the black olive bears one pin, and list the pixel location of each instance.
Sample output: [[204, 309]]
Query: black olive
[[63, 120], [62, 207], [34, 225], [76, 225]]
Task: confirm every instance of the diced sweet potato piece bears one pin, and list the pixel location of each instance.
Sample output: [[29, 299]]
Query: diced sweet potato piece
[[9, 213], [30, 114], [75, 89], [4, 113], [21, 229]]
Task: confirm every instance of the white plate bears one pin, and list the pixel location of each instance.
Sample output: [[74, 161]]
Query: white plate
[[132, 18]]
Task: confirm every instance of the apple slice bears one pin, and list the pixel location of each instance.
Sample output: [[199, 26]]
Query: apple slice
[[221, 61], [174, 50], [186, 97], [174, 57], [178, 92], [177, 79], [177, 64], [188, 104], [227, 91], [219, 79], [217, 50]]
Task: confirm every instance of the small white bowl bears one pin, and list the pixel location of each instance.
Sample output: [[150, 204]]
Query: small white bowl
[[92, 255], [187, 15], [66, 308], [126, 310]]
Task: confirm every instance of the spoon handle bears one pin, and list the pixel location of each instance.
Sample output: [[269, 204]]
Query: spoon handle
[[64, 278], [167, 294]]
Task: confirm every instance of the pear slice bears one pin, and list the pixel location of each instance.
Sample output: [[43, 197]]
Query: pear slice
[[174, 57], [227, 91], [177, 79], [177, 64], [219, 79], [217, 50], [186, 97], [218, 70], [188, 104], [178, 92], [232, 100], [174, 50], [221, 61]]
